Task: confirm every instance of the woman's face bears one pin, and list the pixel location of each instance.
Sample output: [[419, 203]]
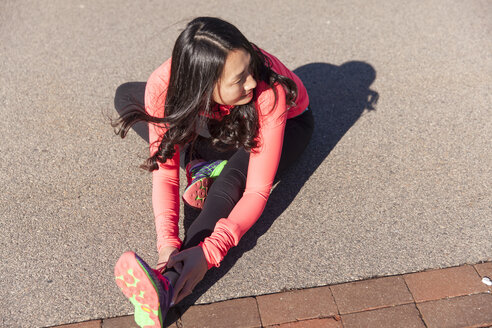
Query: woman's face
[[236, 84]]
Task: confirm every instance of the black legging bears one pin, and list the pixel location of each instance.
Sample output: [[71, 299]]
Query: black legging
[[228, 188]]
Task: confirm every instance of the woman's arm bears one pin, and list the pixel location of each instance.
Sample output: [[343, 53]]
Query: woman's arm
[[165, 180], [165, 202], [261, 173]]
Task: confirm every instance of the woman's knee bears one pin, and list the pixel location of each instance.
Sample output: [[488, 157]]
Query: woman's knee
[[129, 93], [229, 186], [231, 182]]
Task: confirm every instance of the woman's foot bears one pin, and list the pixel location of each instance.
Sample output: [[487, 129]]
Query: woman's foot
[[200, 175], [147, 289]]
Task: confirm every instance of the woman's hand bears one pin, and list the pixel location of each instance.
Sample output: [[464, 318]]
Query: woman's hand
[[193, 267], [164, 255]]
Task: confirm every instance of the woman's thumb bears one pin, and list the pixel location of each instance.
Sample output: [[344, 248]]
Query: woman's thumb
[[173, 259]]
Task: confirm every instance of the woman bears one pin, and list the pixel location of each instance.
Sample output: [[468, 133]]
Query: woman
[[241, 117]]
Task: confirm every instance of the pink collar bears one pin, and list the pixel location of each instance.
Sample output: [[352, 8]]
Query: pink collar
[[219, 111]]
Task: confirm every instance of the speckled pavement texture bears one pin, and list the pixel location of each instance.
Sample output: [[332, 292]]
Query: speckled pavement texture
[[383, 189]]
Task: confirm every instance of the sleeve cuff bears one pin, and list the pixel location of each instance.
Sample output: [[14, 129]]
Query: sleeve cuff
[[174, 243], [210, 262], [225, 236]]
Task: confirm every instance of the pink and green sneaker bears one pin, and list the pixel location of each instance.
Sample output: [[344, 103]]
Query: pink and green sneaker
[[147, 289], [201, 174]]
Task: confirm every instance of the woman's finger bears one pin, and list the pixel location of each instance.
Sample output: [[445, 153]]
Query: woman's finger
[[180, 283], [161, 266], [178, 267], [174, 258], [182, 294], [185, 291], [188, 289]]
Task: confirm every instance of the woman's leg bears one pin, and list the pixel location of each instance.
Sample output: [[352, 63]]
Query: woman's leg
[[128, 96], [228, 188], [222, 196], [298, 132]]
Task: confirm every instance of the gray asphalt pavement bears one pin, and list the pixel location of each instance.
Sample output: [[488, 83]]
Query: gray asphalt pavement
[[399, 188]]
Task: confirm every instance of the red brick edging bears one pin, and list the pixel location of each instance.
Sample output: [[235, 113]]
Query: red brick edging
[[450, 297]]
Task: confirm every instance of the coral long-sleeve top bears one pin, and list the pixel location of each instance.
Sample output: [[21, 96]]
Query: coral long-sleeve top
[[261, 170]]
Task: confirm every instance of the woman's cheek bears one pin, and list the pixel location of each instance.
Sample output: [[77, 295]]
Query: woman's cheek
[[234, 94]]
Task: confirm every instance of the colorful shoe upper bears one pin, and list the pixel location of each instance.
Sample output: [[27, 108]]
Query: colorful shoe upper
[[200, 175], [199, 169]]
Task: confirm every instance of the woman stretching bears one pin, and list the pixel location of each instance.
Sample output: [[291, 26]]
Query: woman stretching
[[239, 117]]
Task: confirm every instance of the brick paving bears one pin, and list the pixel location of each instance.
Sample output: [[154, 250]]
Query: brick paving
[[441, 298]]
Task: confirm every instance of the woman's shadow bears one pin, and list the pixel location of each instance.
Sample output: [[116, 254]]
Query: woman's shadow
[[338, 95]]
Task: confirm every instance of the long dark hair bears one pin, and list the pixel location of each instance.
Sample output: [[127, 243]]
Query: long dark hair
[[198, 59]]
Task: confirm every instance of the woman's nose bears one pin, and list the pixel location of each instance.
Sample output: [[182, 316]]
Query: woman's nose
[[250, 83]]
